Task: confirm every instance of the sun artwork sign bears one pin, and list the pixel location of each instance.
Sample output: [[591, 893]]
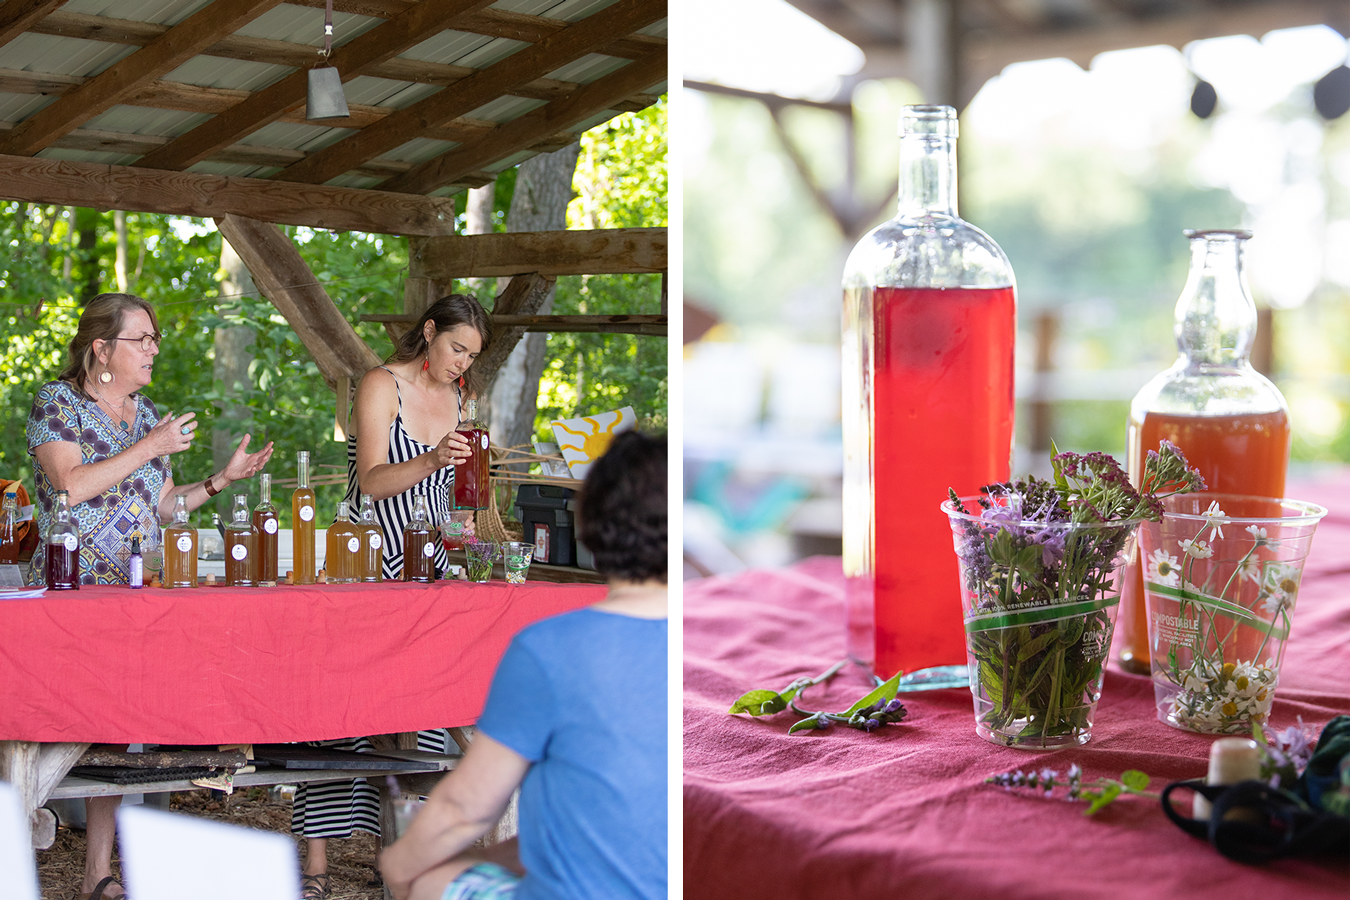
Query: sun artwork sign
[[584, 440]]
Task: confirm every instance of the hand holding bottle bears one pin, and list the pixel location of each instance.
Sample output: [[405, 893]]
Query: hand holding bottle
[[452, 450]]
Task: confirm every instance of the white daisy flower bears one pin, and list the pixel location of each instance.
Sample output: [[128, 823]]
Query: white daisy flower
[[1259, 535], [1197, 549], [1163, 569], [1249, 567], [1216, 518]]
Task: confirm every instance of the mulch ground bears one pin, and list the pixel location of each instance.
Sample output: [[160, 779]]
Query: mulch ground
[[351, 862]]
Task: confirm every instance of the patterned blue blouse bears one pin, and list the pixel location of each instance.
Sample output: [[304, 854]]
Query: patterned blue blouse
[[106, 522]]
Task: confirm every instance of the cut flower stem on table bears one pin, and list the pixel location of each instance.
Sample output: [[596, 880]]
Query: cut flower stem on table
[[877, 707]]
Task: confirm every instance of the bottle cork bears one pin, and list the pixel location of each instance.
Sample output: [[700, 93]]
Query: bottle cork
[[1231, 760]]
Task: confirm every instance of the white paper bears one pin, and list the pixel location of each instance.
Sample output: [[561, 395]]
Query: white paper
[[18, 872], [168, 856], [11, 576]]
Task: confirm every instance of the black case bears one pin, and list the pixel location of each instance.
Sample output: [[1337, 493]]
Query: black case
[[548, 522]]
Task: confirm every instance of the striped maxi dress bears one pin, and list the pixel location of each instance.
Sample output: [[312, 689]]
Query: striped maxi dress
[[335, 809]]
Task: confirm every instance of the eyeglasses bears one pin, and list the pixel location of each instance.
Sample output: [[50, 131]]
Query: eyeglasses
[[146, 341]]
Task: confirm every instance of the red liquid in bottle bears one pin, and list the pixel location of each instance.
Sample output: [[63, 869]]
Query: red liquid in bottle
[[63, 567], [471, 477], [943, 417]]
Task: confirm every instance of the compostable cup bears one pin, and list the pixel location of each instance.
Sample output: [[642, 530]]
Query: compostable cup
[[480, 556], [516, 557]]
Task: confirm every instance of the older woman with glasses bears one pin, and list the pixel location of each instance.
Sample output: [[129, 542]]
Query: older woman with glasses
[[93, 435]]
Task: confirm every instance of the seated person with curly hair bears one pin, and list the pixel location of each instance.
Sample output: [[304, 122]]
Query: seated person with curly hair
[[576, 718]]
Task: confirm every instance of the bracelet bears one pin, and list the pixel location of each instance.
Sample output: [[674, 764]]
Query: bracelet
[[211, 490]]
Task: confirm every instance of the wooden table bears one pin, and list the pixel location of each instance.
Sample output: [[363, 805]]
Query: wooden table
[[236, 666]]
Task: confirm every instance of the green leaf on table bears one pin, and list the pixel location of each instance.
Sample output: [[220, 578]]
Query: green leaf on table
[[808, 724], [885, 690], [760, 703], [1101, 798], [1134, 780], [1036, 645]]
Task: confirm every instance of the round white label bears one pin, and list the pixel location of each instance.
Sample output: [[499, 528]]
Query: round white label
[[184, 543], [376, 542], [307, 513], [239, 551], [485, 441], [353, 544], [72, 542], [270, 526], [428, 549]]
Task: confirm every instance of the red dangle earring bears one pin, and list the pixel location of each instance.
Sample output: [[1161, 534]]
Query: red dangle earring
[[426, 364]]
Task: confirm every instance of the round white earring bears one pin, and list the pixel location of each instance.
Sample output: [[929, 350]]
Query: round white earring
[[106, 377]]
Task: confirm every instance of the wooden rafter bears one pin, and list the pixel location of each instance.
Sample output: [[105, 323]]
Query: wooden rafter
[[652, 326], [17, 16], [176, 46], [282, 276], [36, 180], [418, 23], [487, 84], [602, 251], [301, 55], [523, 132]]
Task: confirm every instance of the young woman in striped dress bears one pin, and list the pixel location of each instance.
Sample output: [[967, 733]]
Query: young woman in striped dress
[[404, 444]]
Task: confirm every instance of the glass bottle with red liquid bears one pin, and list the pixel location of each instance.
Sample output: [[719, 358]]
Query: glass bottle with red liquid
[[63, 548], [471, 476], [930, 321], [1228, 419]]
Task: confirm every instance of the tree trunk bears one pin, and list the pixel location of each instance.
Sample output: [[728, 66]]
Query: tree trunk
[[543, 190], [86, 221], [230, 371], [120, 262], [478, 220]]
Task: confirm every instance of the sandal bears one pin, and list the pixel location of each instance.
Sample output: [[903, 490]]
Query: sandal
[[97, 892], [315, 887]]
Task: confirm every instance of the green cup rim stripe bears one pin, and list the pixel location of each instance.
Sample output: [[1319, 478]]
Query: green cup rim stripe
[[1222, 607], [990, 621]]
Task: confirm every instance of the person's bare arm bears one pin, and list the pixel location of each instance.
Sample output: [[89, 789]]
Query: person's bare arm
[[67, 471], [242, 465], [460, 810], [374, 411]]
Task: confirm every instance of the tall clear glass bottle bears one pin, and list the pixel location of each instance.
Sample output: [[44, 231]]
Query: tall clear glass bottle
[[9, 529], [419, 545], [265, 521], [929, 326], [302, 522], [1228, 419], [63, 548], [344, 548], [471, 477], [370, 565], [180, 548], [241, 544]]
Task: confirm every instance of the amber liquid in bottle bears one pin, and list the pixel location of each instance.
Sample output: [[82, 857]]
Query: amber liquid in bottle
[[471, 476], [180, 549], [370, 563], [419, 545], [344, 548], [266, 525], [241, 545], [302, 522]]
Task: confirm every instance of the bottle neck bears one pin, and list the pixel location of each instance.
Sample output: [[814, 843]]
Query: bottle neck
[[180, 510], [1215, 315], [927, 176], [264, 490], [241, 510], [302, 472], [420, 512]]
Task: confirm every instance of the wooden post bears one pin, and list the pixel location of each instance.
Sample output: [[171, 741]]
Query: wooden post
[[1040, 405], [34, 770]]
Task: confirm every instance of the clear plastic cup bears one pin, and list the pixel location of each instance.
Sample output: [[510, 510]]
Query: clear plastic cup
[[516, 556], [480, 556]]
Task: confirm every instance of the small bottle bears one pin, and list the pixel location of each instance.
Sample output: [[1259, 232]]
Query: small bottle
[[241, 541], [180, 548], [370, 565], [344, 548], [419, 545], [63, 548], [302, 521], [265, 521], [135, 565], [9, 529], [471, 476]]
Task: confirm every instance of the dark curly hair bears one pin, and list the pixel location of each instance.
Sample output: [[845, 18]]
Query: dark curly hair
[[621, 511]]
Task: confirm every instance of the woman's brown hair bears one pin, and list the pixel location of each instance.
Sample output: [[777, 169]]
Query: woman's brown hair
[[101, 320], [445, 314]]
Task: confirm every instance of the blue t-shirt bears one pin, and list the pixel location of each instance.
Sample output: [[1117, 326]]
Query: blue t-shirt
[[582, 696]]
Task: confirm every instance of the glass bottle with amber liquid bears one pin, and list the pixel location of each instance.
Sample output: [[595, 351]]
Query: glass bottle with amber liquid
[[241, 543], [419, 545], [267, 526], [9, 529], [471, 476], [302, 521], [370, 562], [180, 548], [62, 566], [1228, 419], [344, 548]]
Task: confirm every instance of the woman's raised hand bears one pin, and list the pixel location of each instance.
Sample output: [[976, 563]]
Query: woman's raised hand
[[243, 464], [172, 435], [453, 450]]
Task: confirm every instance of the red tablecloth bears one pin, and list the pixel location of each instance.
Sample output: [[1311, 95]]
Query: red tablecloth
[[904, 812], [227, 665]]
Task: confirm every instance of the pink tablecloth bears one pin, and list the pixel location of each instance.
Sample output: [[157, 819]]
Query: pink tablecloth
[[232, 665], [904, 812]]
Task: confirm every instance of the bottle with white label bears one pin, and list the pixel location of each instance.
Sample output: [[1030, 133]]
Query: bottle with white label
[[344, 548], [241, 543], [63, 548], [136, 565], [302, 521], [419, 545], [265, 521], [370, 563], [180, 548]]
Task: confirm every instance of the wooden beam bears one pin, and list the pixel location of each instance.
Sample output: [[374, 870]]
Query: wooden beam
[[485, 85], [170, 50], [618, 324], [282, 276], [607, 251], [17, 16], [523, 296], [420, 22], [520, 133], [31, 180]]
